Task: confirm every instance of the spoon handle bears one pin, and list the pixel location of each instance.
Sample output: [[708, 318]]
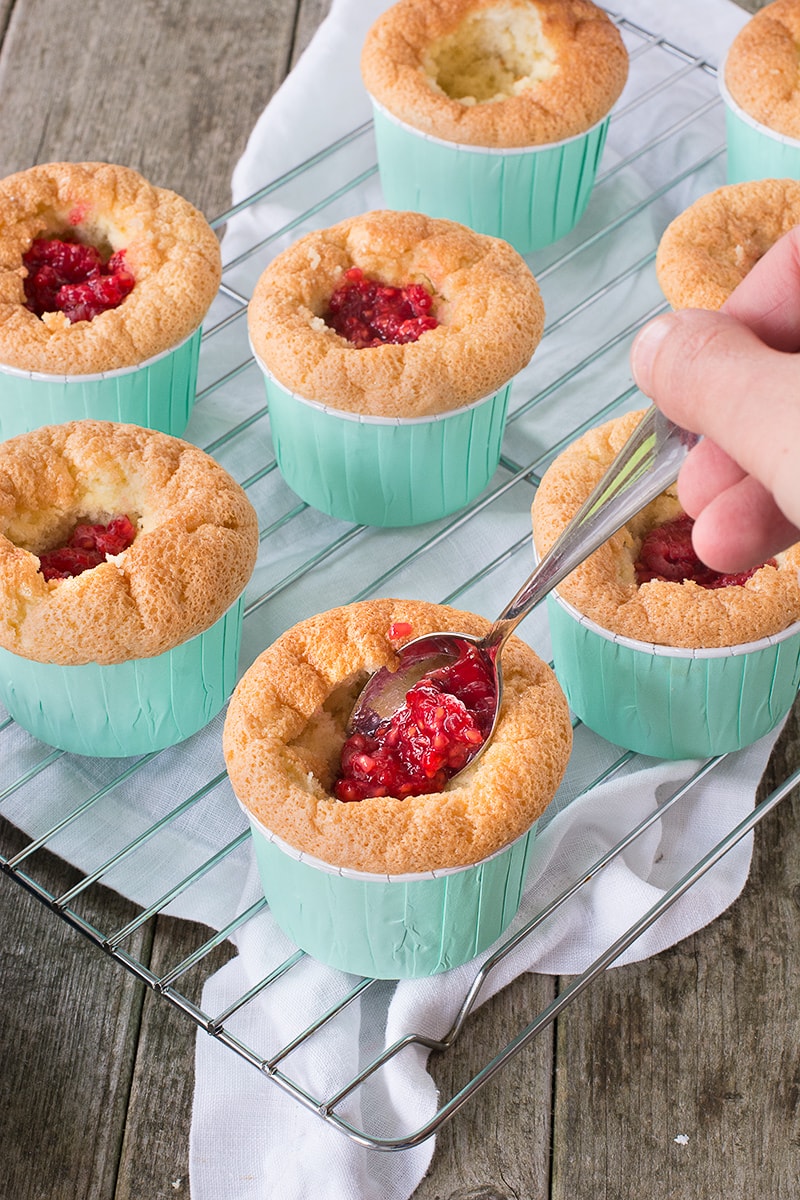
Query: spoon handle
[[647, 463]]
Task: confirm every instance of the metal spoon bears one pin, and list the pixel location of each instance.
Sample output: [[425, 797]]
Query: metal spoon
[[647, 464]]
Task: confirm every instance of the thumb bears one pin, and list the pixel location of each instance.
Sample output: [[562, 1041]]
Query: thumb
[[711, 374]]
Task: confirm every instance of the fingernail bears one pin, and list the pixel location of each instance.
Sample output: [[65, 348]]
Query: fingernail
[[645, 347]]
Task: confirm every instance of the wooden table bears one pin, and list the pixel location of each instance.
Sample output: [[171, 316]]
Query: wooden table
[[97, 1075]]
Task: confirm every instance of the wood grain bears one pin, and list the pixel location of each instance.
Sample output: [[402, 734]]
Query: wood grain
[[70, 1024]]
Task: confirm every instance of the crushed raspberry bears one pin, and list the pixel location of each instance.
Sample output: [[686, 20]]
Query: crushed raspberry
[[400, 629], [446, 716], [72, 278], [87, 548], [370, 313], [667, 553]]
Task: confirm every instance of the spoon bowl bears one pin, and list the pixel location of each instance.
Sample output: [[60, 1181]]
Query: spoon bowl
[[647, 463]]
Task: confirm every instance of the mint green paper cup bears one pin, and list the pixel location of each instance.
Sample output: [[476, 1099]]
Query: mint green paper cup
[[390, 926], [530, 197], [126, 708], [670, 702], [385, 471], [157, 394], [754, 150]]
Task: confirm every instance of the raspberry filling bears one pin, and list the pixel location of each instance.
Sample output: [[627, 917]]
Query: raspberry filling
[[72, 278], [87, 548], [446, 716], [667, 553], [370, 313]]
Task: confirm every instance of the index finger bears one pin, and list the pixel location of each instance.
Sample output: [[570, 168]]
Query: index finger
[[768, 298]]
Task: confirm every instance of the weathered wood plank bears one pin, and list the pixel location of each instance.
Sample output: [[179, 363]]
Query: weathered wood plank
[[498, 1146], [700, 1042], [70, 1020], [171, 89], [155, 1154]]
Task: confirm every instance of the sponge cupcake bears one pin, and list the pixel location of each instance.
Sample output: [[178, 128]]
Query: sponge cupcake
[[653, 650], [123, 556], [104, 282], [389, 343], [387, 885], [759, 84], [493, 112], [707, 250]]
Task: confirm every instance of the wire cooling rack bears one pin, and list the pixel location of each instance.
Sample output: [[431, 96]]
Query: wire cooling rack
[[599, 288]]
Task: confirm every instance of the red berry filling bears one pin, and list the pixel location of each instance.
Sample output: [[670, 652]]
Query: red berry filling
[[87, 547], [667, 553], [72, 278], [370, 313], [444, 719]]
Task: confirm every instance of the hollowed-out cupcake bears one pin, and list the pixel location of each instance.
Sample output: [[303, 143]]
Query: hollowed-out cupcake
[[654, 651], [493, 112], [123, 556], [759, 85], [707, 250], [104, 283], [402, 881], [388, 344]]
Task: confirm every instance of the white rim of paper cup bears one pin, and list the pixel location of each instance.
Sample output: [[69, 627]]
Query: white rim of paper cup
[[367, 418], [502, 151], [319, 864], [746, 118], [677, 651], [48, 377]]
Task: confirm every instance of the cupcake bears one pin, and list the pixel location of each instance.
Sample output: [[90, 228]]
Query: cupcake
[[709, 248], [759, 85], [388, 344], [493, 112], [104, 282], [656, 652], [123, 556], [401, 882]]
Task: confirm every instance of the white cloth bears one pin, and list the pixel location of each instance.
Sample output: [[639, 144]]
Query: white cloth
[[251, 1141]]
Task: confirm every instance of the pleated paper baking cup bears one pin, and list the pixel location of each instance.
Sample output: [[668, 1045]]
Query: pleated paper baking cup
[[754, 150], [385, 471], [126, 708], [530, 197], [157, 394], [390, 926], [671, 702]]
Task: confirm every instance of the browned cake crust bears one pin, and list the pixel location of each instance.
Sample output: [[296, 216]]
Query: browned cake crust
[[604, 587], [761, 67], [486, 299], [495, 73], [169, 247], [710, 247], [194, 551], [285, 728]]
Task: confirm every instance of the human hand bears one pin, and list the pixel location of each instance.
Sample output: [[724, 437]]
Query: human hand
[[734, 376]]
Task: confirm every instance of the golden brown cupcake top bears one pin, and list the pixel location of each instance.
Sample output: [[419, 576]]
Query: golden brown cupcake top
[[495, 73], [486, 301], [285, 729], [169, 248], [666, 613], [709, 248], [761, 67], [194, 550]]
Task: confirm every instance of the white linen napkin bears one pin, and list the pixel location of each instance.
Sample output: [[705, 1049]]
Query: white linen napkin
[[249, 1140]]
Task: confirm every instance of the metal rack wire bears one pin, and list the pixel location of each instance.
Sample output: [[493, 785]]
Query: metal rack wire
[[671, 102]]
